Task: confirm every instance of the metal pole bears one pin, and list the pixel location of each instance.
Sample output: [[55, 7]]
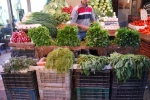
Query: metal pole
[[29, 5], [10, 14]]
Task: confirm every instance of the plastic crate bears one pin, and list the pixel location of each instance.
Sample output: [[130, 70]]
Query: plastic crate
[[97, 79], [48, 93], [132, 82], [127, 93], [93, 93], [22, 94], [20, 80], [50, 78]]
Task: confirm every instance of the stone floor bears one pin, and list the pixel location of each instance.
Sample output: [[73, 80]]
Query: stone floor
[[3, 57]]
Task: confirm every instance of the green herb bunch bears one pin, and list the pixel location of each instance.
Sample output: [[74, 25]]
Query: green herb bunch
[[68, 36], [129, 65], [89, 62], [96, 37], [18, 63], [126, 37], [40, 36], [60, 59], [44, 19]]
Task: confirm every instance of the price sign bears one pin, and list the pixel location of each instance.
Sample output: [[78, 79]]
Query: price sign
[[143, 14]]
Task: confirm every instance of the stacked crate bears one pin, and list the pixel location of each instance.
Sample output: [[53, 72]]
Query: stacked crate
[[21, 86], [53, 85], [95, 86], [132, 89]]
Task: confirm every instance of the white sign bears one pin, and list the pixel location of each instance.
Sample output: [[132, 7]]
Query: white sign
[[143, 14]]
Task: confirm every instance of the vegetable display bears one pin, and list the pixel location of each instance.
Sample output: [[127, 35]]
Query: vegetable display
[[40, 36], [96, 36], [62, 18], [126, 37], [19, 37], [90, 62], [102, 7], [68, 36], [60, 59], [129, 65], [55, 7], [67, 9], [44, 19], [16, 64]]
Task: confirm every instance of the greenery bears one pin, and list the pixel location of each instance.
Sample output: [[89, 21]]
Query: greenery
[[40, 36], [109, 14], [129, 65], [16, 64], [89, 62], [60, 59], [126, 37], [44, 19], [96, 36], [62, 18], [68, 36]]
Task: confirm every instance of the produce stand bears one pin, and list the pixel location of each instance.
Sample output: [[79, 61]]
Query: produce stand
[[102, 51], [28, 45]]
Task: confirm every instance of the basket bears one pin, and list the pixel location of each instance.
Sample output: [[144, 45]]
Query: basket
[[93, 93], [132, 82], [127, 93], [97, 79], [20, 80], [22, 94], [50, 78], [48, 93]]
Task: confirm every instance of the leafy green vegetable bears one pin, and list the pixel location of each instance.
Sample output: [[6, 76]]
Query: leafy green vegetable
[[44, 19], [60, 59], [68, 36], [40, 36], [89, 62], [126, 37], [96, 36], [129, 65], [62, 18], [18, 63]]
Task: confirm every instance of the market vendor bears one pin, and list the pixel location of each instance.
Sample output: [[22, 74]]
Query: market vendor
[[81, 16]]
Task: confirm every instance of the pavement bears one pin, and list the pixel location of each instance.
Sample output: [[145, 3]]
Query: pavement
[[3, 57]]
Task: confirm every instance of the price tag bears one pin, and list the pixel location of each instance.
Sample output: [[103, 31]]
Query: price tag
[[143, 14]]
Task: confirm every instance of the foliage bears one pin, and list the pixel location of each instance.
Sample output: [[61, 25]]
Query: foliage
[[60, 59], [96, 36], [62, 18], [40, 36], [18, 63], [89, 62], [44, 19], [129, 65], [109, 14], [126, 37], [68, 36]]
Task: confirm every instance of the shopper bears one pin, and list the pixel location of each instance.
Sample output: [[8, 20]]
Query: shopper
[[81, 16], [6, 29]]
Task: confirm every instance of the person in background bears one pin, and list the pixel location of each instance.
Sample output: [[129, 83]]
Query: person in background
[[82, 16], [6, 29]]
